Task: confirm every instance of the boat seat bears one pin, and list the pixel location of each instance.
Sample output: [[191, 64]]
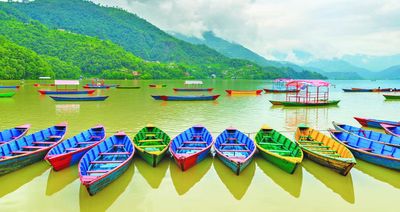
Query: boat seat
[[97, 171], [225, 144], [279, 151], [43, 142], [72, 149], [19, 152], [324, 150], [153, 146], [197, 136], [95, 136], [54, 137], [106, 161], [85, 142], [151, 140], [190, 148], [231, 139], [273, 144], [310, 142], [118, 145], [316, 146], [150, 135], [34, 147], [235, 150], [114, 153], [333, 155], [194, 142]]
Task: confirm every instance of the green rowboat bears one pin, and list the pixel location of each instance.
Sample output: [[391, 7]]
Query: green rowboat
[[151, 144], [279, 150], [5, 95], [391, 97], [321, 103]]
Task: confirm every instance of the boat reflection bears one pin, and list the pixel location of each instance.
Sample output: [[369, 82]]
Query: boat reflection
[[314, 116], [59, 180], [13, 181], [342, 185], [291, 183], [67, 108], [184, 181], [106, 197], [237, 185], [153, 175], [380, 173]]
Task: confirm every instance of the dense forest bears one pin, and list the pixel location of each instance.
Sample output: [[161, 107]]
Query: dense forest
[[75, 37]]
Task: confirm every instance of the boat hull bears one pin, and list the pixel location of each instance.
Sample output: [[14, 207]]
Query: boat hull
[[391, 97], [300, 104], [285, 165], [375, 123], [244, 92], [370, 90], [16, 163], [11, 86], [280, 91], [186, 162], [88, 98], [46, 92], [151, 159], [236, 166], [342, 168], [7, 95], [96, 87], [186, 98]]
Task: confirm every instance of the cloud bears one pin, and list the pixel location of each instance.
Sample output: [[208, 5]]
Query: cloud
[[328, 28]]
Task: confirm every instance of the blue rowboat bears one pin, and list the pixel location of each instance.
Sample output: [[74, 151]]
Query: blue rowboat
[[235, 149], [96, 86], [191, 147], [79, 98], [70, 151], [368, 150], [372, 135], [13, 134], [10, 86], [65, 92], [30, 149], [375, 123], [186, 98], [391, 129], [105, 162]]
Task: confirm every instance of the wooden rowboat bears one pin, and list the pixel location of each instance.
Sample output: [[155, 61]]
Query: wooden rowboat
[[370, 90], [369, 134], [294, 104], [369, 150], [235, 149], [244, 92], [194, 89], [96, 86], [151, 144], [65, 92], [105, 162], [128, 87], [157, 86], [191, 147], [324, 150], [9, 86], [391, 129], [30, 149], [13, 134], [375, 123], [70, 151], [391, 97], [280, 90], [279, 150], [79, 98], [186, 98], [7, 95]]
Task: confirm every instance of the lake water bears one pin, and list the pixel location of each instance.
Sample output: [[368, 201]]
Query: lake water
[[208, 186]]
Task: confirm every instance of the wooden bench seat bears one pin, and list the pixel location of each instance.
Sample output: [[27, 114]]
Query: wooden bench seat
[[153, 146], [54, 137], [272, 144], [72, 149], [194, 142], [85, 142], [106, 161], [34, 147], [43, 142], [228, 144], [97, 171], [190, 148], [151, 140], [114, 153], [235, 150]]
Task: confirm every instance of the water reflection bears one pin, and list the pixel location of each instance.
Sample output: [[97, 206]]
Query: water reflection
[[153, 175], [67, 108], [13, 181], [237, 185], [291, 183], [380, 173], [342, 185], [184, 181], [59, 180], [105, 198], [293, 116]]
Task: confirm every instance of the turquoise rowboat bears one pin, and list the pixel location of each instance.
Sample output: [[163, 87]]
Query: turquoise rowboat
[[7, 95]]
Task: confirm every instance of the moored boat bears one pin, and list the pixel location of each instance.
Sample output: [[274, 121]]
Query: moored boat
[[280, 90], [235, 149], [369, 134], [96, 86], [105, 162], [244, 92], [66, 92], [375, 123], [391, 97], [369, 150], [7, 95], [391, 129], [30, 149], [157, 85], [193, 85], [79, 98], [70, 151], [279, 150], [194, 89], [294, 104], [13, 133], [324, 150], [186, 98], [191, 146], [9, 86], [370, 89], [151, 144]]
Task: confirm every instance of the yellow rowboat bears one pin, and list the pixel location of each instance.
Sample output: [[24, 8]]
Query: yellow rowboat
[[324, 150]]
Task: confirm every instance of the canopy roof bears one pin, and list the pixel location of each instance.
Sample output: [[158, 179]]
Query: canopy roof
[[315, 83], [66, 82], [193, 82], [45, 78]]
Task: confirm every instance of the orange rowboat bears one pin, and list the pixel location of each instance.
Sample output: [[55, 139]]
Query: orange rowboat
[[244, 92]]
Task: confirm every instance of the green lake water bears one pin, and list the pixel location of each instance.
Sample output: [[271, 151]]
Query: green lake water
[[210, 185]]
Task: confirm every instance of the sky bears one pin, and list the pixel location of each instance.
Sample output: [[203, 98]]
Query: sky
[[327, 28]]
